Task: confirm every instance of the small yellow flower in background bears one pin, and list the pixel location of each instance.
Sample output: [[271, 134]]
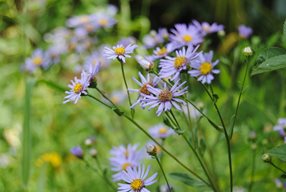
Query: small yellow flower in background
[[52, 158]]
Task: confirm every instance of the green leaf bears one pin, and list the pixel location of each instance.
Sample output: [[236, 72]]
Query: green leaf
[[186, 179], [284, 30], [271, 64], [53, 85], [270, 52], [279, 152]]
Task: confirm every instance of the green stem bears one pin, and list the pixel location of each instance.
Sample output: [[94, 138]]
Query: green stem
[[165, 177], [196, 154], [238, 101], [126, 86], [154, 140], [278, 168], [226, 138]]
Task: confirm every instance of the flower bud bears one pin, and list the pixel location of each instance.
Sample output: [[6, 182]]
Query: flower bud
[[89, 141], [266, 158], [247, 51], [151, 149], [221, 33], [93, 152], [77, 151], [252, 136]]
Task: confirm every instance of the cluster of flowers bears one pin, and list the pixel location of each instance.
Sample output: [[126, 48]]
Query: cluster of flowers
[[76, 39]]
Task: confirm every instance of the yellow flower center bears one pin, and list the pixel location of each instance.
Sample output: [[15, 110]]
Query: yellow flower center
[[187, 38], [77, 88], [205, 68], [103, 22], [119, 50], [162, 51], [84, 19], [163, 130], [37, 60], [180, 61], [137, 184], [144, 89], [165, 95], [125, 166]]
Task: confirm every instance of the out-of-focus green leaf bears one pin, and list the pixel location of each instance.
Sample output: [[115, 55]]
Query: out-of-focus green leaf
[[270, 52], [279, 152], [53, 85], [274, 63], [186, 179], [284, 30]]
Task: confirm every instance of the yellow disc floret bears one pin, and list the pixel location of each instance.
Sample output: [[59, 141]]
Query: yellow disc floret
[[37, 60], [144, 89], [125, 166], [77, 88], [180, 61], [103, 22], [163, 130], [205, 68], [162, 51], [119, 50], [137, 184], [165, 95], [187, 38]]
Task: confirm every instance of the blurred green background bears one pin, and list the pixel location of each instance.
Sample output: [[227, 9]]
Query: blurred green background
[[55, 127]]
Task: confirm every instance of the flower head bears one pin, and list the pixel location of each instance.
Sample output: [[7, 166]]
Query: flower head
[[161, 131], [184, 35], [160, 52], [77, 151], [244, 31], [172, 66], [143, 90], [136, 180], [78, 87], [280, 127], [165, 98], [39, 59], [119, 52], [207, 28], [203, 68], [155, 38], [145, 62]]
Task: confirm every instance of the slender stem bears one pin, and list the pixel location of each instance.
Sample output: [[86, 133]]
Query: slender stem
[[104, 96], [126, 86], [157, 143], [278, 168], [226, 138], [196, 154], [110, 184], [252, 171], [165, 177], [238, 101]]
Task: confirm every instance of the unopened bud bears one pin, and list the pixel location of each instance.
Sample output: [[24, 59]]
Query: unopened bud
[[89, 141], [151, 149], [266, 158], [93, 152], [77, 151], [252, 136], [247, 51], [221, 33]]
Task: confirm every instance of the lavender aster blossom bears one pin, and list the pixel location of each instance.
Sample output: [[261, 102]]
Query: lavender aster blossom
[[206, 28], [38, 59], [103, 20], [161, 131], [280, 127], [146, 62], [244, 31], [119, 52], [165, 98], [143, 90], [185, 35], [203, 68], [153, 38], [78, 87], [77, 151], [160, 52], [136, 180], [121, 164], [172, 66]]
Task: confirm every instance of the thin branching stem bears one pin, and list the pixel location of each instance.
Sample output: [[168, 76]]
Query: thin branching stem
[[163, 172]]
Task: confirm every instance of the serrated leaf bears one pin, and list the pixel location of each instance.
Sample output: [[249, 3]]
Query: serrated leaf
[[279, 152], [186, 179], [271, 64]]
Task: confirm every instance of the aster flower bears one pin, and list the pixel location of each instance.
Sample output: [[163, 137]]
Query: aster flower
[[172, 66], [207, 28], [80, 21], [185, 35], [153, 38], [161, 131], [160, 52], [38, 59], [136, 180], [203, 68], [244, 31], [119, 52], [118, 97], [78, 87], [121, 164], [280, 127], [143, 90], [103, 20], [165, 98]]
